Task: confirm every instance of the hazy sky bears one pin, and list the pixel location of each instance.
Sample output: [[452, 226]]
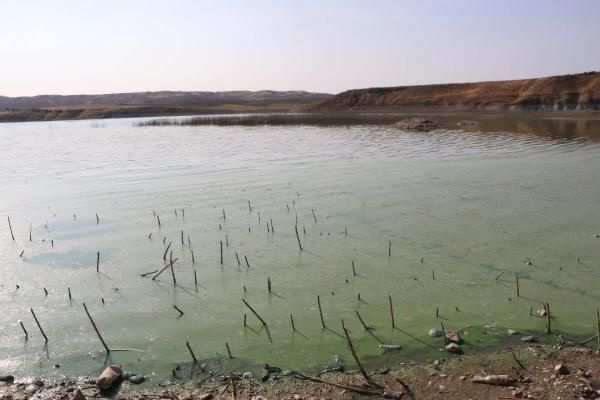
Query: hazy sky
[[68, 47]]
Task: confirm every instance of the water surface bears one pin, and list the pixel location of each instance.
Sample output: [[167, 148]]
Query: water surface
[[462, 206]]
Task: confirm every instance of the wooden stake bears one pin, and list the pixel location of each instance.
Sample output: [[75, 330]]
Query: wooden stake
[[237, 257], [178, 310], [173, 270], [367, 328], [38, 325], [221, 244], [548, 318], [321, 312], [11, 231], [96, 329], [353, 269], [158, 219], [517, 280], [245, 321], [98, 262], [195, 279], [162, 270], [298, 237], [433, 274], [191, 352], [293, 326], [228, 350], [70, 298], [249, 207], [97, 219], [182, 242], [444, 333], [360, 367], [345, 231], [254, 312], [46, 292], [314, 216], [193, 259], [391, 311], [247, 263], [167, 251], [269, 284], [224, 215], [24, 330], [390, 248], [30, 229], [598, 329]]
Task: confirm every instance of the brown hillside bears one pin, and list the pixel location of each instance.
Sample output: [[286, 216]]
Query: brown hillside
[[566, 92]]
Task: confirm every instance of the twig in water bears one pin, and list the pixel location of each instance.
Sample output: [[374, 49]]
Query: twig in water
[[24, 330], [96, 329], [167, 251], [11, 231], [38, 325], [191, 352], [228, 350], [321, 312], [178, 310], [254, 312], [298, 237]]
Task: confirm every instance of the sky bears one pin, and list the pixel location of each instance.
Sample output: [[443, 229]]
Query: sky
[[107, 46]]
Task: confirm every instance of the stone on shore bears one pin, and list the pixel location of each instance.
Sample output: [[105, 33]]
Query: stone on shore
[[417, 124], [108, 377]]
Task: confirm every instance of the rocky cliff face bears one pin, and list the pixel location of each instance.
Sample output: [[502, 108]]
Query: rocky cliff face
[[556, 93]]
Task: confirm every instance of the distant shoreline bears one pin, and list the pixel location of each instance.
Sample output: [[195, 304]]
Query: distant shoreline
[[574, 94]]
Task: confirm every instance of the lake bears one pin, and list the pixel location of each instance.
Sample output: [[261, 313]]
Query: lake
[[430, 219]]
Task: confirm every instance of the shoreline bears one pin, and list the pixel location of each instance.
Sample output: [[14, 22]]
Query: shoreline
[[537, 371]]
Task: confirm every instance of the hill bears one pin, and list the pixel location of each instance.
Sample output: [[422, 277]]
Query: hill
[[556, 93], [140, 104]]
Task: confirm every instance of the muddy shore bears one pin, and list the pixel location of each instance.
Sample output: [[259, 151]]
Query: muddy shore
[[536, 371]]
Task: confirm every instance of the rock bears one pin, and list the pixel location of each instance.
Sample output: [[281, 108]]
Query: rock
[[454, 348], [561, 369], [7, 378], [420, 124], [272, 369], [390, 347], [38, 382], [511, 332], [247, 375], [453, 337], [31, 389], [467, 123], [597, 235], [108, 377], [137, 379], [127, 375], [541, 312], [435, 333], [298, 397], [492, 379], [76, 395], [529, 339]]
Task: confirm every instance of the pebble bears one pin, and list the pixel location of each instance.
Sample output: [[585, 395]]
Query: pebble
[[453, 348], [511, 332], [137, 379], [529, 339], [435, 333], [7, 378], [247, 375], [76, 395]]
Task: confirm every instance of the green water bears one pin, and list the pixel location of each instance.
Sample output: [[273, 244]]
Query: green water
[[469, 204]]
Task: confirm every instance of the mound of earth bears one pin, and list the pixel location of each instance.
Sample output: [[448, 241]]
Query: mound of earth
[[417, 124]]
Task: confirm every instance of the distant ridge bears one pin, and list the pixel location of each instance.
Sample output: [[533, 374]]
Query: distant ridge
[[152, 104], [555, 93], [153, 98]]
